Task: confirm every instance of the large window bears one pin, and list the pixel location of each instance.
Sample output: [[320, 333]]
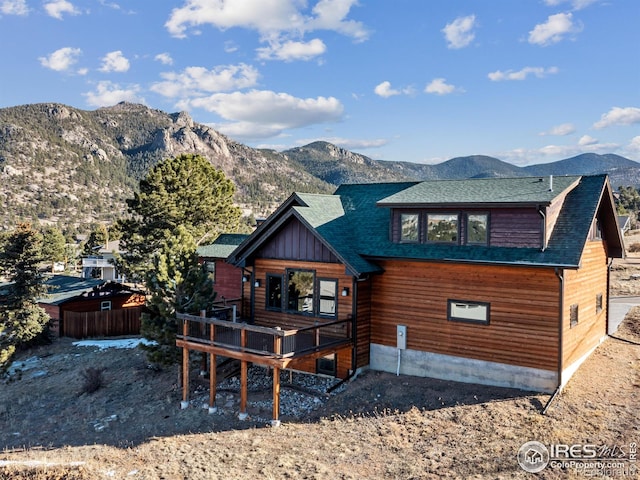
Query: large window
[[477, 228], [442, 227], [300, 285], [274, 292], [463, 311], [409, 227]]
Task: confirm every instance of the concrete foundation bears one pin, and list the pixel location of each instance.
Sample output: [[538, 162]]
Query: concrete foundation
[[459, 369]]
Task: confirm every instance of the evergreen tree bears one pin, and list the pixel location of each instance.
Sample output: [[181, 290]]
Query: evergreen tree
[[21, 319], [178, 284], [183, 191], [54, 246], [181, 203]]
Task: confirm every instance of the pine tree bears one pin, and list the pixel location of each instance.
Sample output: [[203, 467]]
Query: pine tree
[[178, 284], [181, 203], [21, 319], [54, 245]]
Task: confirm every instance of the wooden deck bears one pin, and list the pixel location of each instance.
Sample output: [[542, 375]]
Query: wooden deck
[[275, 347]]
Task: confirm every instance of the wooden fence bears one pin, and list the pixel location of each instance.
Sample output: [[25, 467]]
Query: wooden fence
[[108, 323]]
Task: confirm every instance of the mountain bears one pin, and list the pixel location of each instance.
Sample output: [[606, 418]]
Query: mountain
[[65, 165], [60, 164]]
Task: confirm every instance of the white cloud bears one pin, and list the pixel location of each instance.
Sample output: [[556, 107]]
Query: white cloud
[[561, 130], [62, 59], [57, 8], [576, 4], [114, 62], [439, 86], [109, 93], [290, 50], [619, 116], [522, 74], [196, 81], [263, 113], [280, 22], [14, 7], [553, 30], [164, 58], [384, 90], [633, 148], [587, 140], [459, 33]]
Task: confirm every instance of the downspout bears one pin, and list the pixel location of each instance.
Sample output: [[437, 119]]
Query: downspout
[[544, 228], [559, 274], [608, 297]]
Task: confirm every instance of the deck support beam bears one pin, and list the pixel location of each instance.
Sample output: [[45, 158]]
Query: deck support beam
[[243, 415], [185, 369], [276, 397]]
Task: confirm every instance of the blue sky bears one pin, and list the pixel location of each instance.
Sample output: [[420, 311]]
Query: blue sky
[[527, 81]]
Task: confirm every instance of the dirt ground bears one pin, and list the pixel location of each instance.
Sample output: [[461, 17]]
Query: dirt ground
[[376, 426]]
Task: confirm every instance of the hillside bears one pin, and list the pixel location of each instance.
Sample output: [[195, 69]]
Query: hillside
[[72, 167], [62, 164]]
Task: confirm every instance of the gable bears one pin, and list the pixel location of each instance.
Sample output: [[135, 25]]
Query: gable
[[294, 241]]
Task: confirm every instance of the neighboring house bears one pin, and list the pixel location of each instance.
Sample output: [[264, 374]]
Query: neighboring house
[[500, 281], [227, 278], [89, 307], [101, 264]]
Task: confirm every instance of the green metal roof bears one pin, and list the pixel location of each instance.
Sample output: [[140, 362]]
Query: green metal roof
[[61, 288], [222, 246], [488, 191]]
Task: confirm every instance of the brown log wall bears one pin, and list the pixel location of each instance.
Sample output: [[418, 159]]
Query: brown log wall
[[581, 288], [108, 323], [524, 311]]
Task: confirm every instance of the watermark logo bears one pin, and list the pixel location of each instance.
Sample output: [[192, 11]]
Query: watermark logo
[[533, 457], [587, 459]]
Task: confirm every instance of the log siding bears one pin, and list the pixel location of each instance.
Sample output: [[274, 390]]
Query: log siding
[[524, 305]]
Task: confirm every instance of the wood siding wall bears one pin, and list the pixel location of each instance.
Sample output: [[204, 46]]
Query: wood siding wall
[[508, 227], [272, 318], [363, 317], [295, 242], [228, 280], [524, 311], [581, 288]]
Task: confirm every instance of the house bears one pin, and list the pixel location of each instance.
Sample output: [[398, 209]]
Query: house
[[101, 264], [90, 307], [499, 281], [227, 279]]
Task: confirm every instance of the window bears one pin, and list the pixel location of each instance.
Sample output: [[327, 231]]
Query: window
[[327, 365], [573, 315], [409, 227], [328, 297], [598, 303], [210, 268], [300, 285], [463, 311], [274, 292], [442, 227], [105, 305], [477, 228]]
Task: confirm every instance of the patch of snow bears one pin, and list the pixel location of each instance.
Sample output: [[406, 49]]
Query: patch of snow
[[119, 343]]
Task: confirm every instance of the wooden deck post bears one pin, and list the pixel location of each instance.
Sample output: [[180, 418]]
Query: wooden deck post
[[212, 372], [275, 422], [243, 378], [185, 368]]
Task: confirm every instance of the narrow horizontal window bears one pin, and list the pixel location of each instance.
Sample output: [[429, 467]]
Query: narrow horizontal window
[[464, 311]]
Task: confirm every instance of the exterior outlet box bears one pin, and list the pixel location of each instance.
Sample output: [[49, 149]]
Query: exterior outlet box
[[401, 337]]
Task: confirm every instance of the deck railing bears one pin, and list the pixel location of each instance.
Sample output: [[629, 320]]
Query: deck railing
[[277, 342]]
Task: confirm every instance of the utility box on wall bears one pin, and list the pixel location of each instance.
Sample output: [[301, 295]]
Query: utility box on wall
[[401, 337]]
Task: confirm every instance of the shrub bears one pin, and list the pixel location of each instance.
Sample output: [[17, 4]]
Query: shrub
[[93, 379], [633, 248]]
